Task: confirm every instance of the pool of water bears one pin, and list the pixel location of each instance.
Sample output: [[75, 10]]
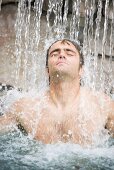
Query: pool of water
[[19, 152]]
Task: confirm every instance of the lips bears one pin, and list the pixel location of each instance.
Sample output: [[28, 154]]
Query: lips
[[60, 62]]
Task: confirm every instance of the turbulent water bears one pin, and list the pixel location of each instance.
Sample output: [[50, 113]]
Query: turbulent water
[[19, 152], [22, 152]]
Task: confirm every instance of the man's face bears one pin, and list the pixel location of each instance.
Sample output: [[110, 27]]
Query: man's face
[[63, 60]]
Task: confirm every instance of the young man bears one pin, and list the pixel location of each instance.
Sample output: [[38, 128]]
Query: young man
[[67, 112]]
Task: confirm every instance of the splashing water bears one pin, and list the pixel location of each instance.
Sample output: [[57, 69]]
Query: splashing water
[[19, 151]]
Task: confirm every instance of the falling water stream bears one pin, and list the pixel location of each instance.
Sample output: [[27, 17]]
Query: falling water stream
[[18, 151], [62, 25], [0, 4]]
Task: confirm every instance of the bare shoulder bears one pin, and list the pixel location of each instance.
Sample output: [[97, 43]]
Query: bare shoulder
[[100, 96], [29, 104], [89, 94], [23, 111], [103, 100], [23, 104]]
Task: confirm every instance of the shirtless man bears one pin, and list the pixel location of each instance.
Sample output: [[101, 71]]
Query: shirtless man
[[67, 112]]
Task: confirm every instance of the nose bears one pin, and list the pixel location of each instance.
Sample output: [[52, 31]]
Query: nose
[[62, 54]]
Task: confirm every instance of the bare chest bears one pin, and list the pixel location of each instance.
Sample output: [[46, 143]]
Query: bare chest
[[76, 124]]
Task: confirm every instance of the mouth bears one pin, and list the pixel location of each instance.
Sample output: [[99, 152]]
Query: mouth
[[60, 63]]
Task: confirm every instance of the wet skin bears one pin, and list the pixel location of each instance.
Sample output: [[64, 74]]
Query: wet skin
[[67, 112]]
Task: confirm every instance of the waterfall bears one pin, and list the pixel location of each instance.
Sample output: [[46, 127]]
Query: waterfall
[[27, 43], [84, 19], [0, 4]]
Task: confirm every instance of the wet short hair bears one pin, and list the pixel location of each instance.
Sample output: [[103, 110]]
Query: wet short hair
[[77, 46]]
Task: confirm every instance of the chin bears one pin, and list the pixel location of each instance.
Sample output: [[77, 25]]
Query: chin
[[61, 74]]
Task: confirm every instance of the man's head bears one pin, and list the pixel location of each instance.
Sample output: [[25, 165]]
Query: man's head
[[77, 46], [64, 56]]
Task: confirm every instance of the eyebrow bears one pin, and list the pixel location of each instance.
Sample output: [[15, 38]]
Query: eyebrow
[[66, 49], [56, 50]]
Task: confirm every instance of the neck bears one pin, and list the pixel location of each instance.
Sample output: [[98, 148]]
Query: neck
[[64, 93]]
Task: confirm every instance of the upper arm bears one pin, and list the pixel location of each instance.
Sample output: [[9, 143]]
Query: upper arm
[[110, 121], [9, 118], [107, 108], [22, 112], [6, 121]]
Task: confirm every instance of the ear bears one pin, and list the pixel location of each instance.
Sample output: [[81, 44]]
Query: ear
[[47, 71], [81, 71], [47, 74]]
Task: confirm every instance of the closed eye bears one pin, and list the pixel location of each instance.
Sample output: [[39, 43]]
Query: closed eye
[[70, 52], [54, 54]]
